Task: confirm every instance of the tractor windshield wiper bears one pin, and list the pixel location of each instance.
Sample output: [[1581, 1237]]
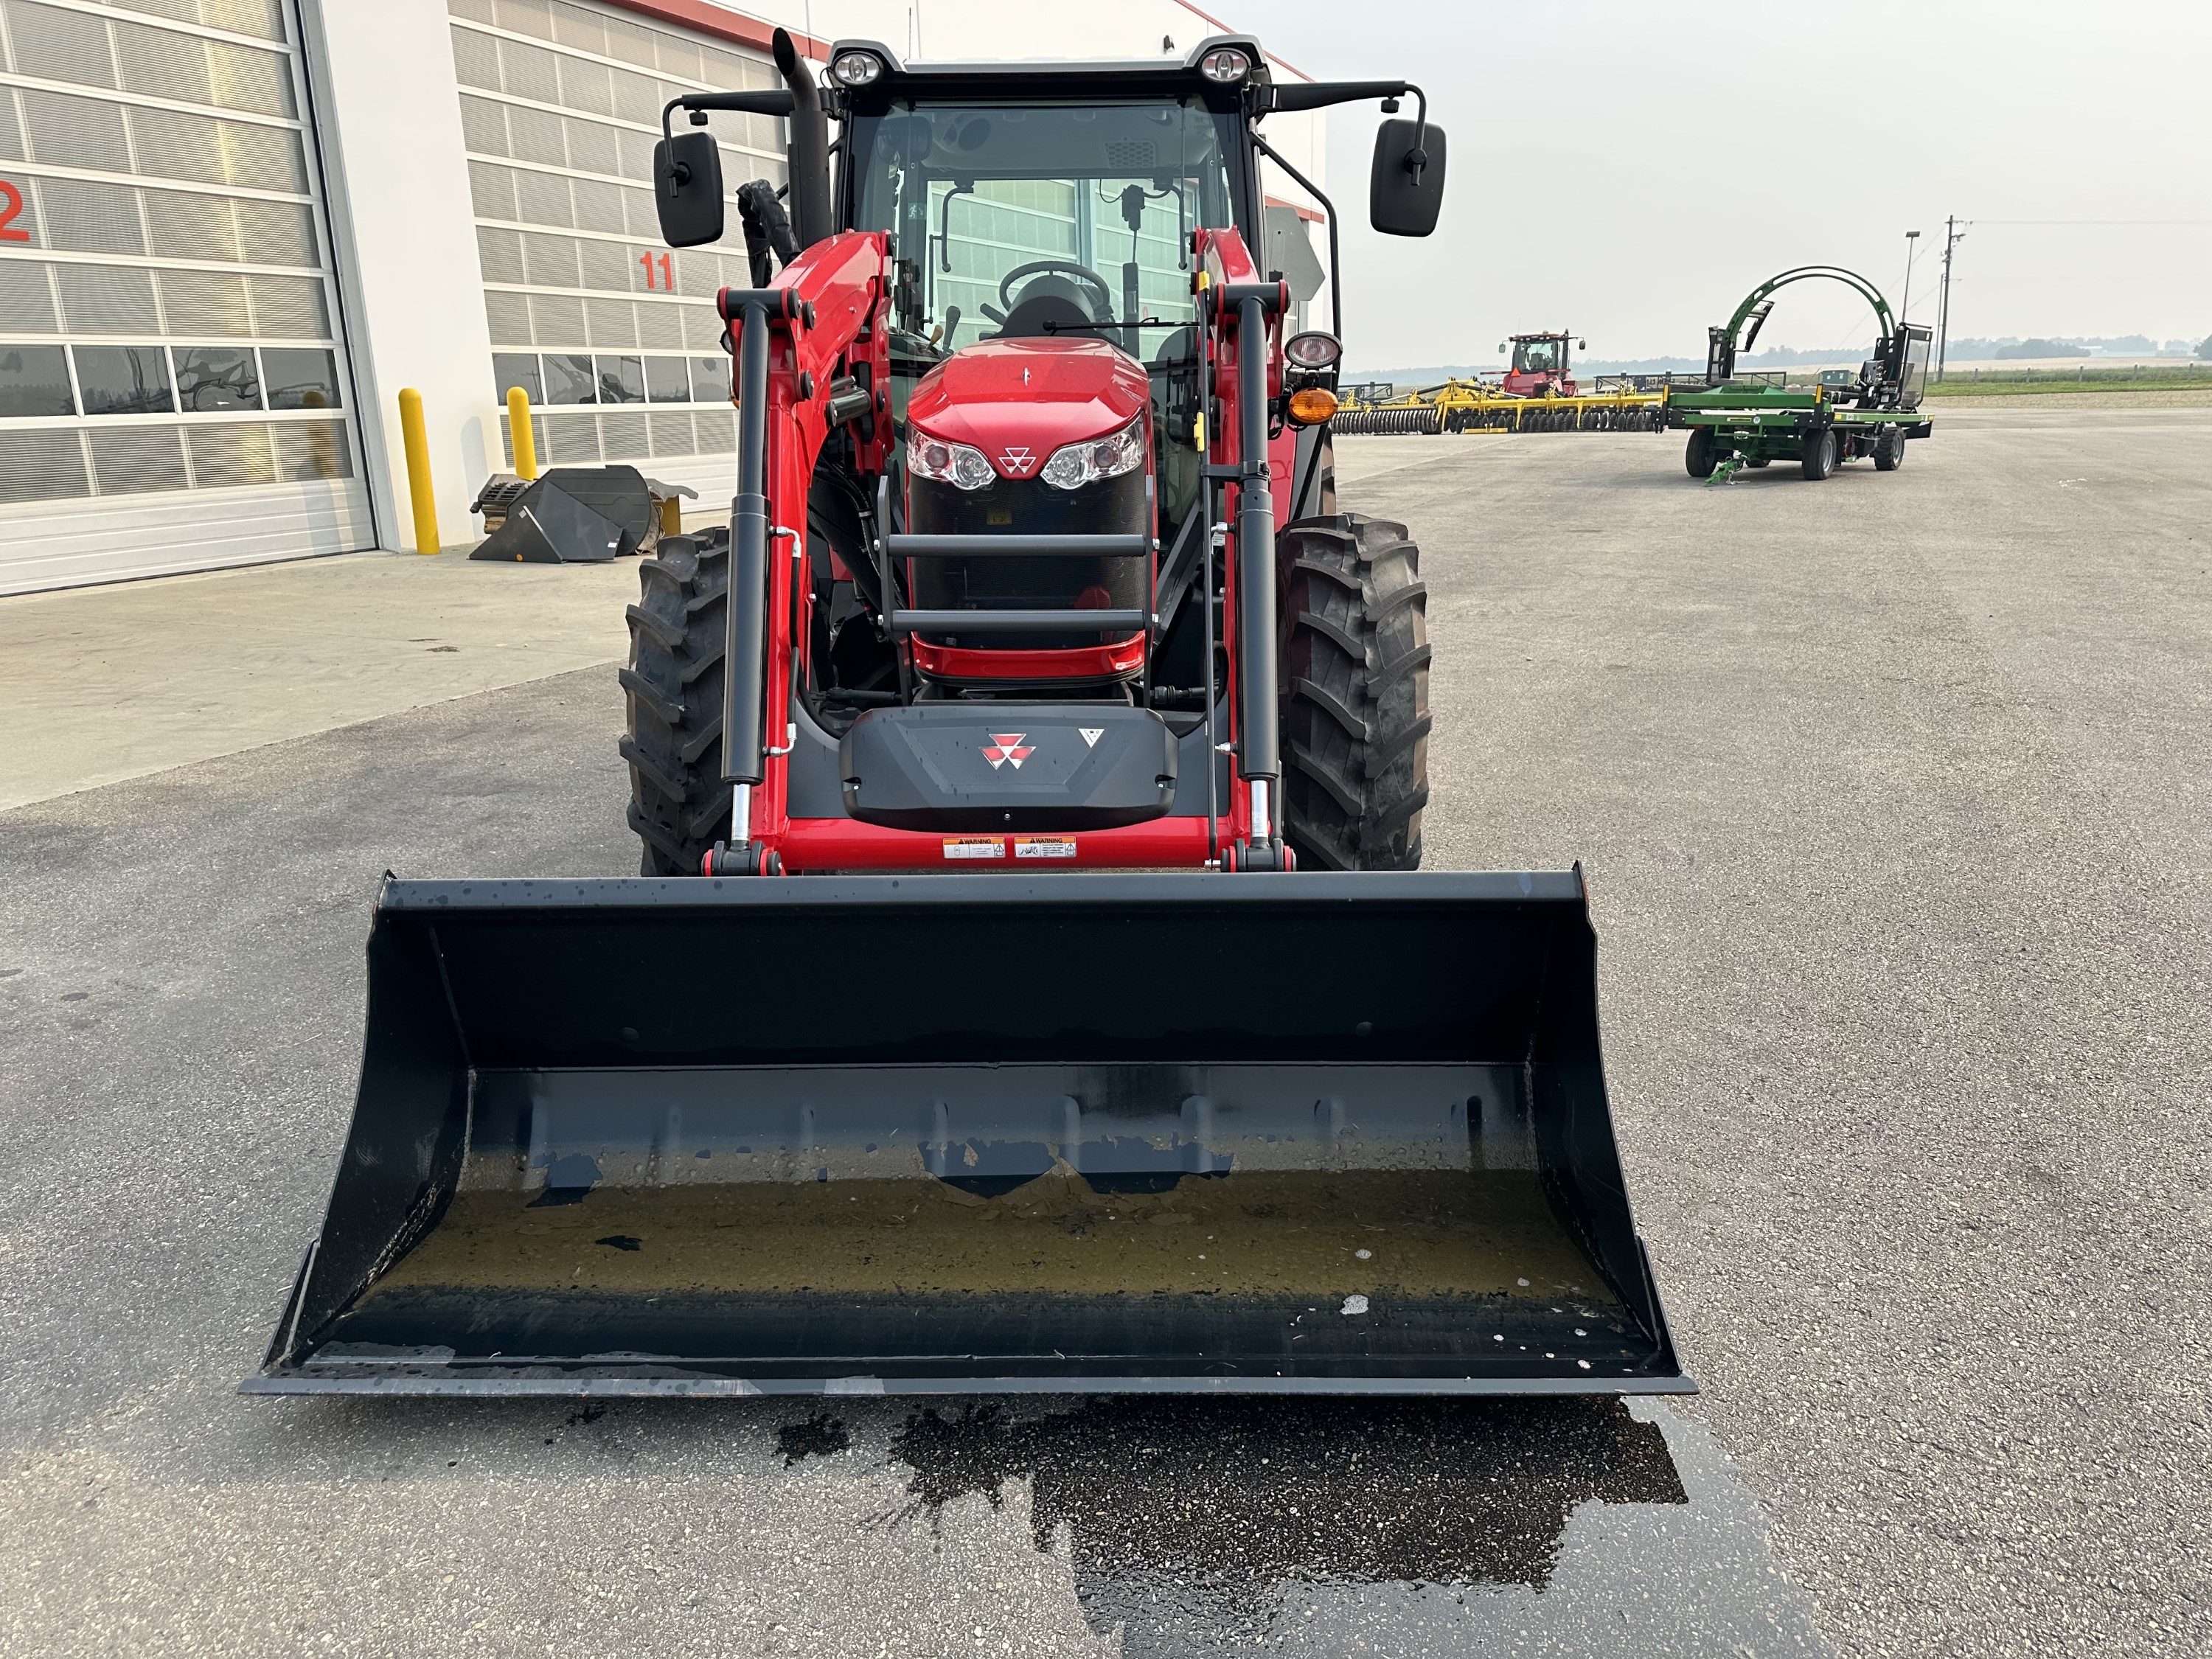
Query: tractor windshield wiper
[[1141, 322]]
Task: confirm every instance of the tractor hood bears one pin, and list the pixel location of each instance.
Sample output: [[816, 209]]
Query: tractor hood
[[1020, 400]]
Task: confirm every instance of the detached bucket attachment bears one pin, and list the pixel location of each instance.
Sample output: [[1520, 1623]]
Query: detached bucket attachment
[[953, 1134]]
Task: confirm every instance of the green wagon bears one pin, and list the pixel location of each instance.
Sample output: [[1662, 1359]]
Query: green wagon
[[1749, 421]]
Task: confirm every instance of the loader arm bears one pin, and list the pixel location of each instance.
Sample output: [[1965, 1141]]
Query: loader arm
[[1243, 376], [786, 368], [807, 345]]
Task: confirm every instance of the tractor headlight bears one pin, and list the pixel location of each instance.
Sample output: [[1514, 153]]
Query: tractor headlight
[[957, 465], [1313, 351], [1226, 65], [856, 68], [1074, 465]]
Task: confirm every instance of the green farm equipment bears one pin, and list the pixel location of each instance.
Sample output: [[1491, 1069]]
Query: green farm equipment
[[1738, 421]]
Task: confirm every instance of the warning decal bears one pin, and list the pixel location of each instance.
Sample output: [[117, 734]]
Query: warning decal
[[974, 847], [1044, 847]]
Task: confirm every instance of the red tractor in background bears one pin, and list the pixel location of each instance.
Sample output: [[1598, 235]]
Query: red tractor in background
[[1036, 551], [1539, 365]]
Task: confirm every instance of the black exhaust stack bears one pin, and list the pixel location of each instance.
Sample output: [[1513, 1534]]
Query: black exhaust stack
[[811, 216]]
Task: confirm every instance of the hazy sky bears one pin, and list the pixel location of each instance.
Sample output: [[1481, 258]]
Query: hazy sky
[[1629, 171]]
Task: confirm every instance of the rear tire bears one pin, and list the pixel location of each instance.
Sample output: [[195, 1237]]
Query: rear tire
[[1355, 664], [1819, 454], [1698, 458], [1889, 449], [679, 805]]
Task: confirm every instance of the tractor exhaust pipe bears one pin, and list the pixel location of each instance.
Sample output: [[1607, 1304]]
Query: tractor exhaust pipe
[[810, 146]]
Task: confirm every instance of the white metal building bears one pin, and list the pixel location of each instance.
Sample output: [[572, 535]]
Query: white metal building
[[232, 231]]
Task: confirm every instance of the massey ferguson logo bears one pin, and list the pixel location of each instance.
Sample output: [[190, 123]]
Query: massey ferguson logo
[[1018, 461], [1007, 746]]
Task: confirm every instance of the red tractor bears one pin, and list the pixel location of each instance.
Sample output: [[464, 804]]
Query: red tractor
[[1539, 365], [1036, 547], [1035, 565]]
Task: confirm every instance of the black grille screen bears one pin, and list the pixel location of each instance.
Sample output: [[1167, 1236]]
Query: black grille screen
[[1113, 508]]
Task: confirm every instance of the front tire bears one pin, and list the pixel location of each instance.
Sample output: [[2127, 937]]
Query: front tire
[[1698, 458], [1355, 693], [679, 805], [1818, 458], [1889, 449]]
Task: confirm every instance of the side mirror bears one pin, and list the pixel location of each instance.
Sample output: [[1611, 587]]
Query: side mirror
[[1501, 348], [687, 189], [1405, 190]]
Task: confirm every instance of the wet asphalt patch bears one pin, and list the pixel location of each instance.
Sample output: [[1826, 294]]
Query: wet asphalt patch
[[1196, 1526], [819, 1436]]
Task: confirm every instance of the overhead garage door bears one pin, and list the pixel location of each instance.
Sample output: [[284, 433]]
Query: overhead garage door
[[612, 333], [174, 388]]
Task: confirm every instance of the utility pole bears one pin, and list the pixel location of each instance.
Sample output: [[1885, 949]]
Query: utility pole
[[1952, 235]]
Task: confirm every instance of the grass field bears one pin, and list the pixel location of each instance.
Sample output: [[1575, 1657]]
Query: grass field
[[1985, 382]]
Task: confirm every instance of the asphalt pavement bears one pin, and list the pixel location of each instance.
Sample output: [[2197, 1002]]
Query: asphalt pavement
[[1891, 791]]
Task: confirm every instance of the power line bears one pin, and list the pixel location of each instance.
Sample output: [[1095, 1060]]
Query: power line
[[2094, 221]]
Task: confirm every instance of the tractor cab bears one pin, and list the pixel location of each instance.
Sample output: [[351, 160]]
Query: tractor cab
[[1044, 351], [1538, 367], [1016, 217]]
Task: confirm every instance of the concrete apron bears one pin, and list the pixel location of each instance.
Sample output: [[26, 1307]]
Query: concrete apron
[[102, 684]]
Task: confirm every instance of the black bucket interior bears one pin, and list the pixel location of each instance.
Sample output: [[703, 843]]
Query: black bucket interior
[[1080, 1131]]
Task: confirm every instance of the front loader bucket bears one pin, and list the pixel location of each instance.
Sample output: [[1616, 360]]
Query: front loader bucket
[[994, 1133]]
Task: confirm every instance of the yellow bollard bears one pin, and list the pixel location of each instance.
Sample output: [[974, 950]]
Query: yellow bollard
[[519, 431], [417, 444]]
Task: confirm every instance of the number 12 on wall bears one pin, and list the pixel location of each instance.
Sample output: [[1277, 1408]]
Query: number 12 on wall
[[668, 268], [11, 205]]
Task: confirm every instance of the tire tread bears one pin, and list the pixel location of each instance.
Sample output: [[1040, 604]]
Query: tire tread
[[672, 687], [1355, 692]]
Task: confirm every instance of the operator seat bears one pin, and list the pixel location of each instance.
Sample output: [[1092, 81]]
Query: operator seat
[[1046, 299]]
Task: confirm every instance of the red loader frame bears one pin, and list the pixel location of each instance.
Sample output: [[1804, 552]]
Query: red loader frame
[[811, 353]]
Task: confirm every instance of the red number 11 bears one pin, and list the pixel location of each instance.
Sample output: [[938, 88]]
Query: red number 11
[[668, 268]]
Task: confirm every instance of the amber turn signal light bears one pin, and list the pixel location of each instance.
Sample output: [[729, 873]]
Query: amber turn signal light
[[1310, 405]]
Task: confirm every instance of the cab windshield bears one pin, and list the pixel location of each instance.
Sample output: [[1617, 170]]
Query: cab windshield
[[1536, 356], [1014, 220], [1010, 219]]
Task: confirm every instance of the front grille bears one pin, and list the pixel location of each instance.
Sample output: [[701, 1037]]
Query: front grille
[[1114, 507]]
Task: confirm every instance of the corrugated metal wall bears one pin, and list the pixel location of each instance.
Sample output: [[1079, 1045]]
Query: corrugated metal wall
[[174, 388], [613, 334]]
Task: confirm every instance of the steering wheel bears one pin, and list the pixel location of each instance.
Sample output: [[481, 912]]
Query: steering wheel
[[1103, 311]]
